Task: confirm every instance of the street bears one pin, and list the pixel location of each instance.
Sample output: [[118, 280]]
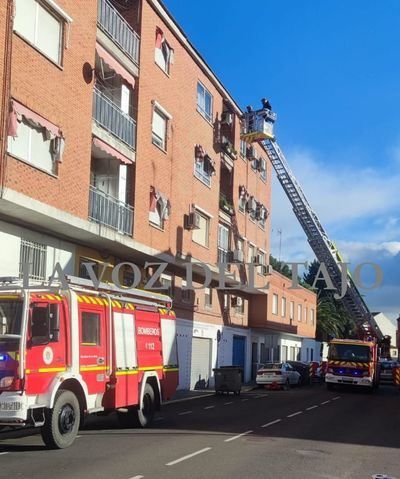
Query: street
[[307, 432]]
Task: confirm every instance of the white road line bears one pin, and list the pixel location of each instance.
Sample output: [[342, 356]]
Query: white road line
[[336, 397], [295, 414], [172, 463], [311, 407], [209, 407], [225, 404], [326, 402], [2, 453], [184, 413], [271, 423], [237, 437], [188, 399]]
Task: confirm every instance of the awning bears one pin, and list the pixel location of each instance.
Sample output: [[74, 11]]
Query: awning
[[18, 110], [111, 151], [115, 65]]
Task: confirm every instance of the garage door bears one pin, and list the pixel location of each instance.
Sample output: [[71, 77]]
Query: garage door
[[201, 363]]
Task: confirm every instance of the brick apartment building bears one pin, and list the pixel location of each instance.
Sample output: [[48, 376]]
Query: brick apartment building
[[119, 144]]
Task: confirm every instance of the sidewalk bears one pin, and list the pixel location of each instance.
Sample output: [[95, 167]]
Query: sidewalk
[[187, 395]]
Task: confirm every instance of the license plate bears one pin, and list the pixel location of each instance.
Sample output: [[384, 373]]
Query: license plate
[[10, 406]]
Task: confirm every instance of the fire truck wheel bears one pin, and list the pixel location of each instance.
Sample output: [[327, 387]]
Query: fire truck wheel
[[62, 422], [146, 414]]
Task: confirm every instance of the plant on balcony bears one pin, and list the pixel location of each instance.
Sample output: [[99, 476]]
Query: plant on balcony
[[226, 205], [229, 149]]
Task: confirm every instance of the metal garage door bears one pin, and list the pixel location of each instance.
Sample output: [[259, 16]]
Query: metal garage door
[[201, 363]]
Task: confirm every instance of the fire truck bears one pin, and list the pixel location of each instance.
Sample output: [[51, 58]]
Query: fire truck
[[69, 352], [352, 361]]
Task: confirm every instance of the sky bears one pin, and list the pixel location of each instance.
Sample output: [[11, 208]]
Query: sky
[[331, 70]]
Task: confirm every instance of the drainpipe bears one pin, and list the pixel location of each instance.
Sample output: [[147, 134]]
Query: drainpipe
[[6, 93]]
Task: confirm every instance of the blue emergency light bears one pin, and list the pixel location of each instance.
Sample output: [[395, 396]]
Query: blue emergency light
[[3, 357]]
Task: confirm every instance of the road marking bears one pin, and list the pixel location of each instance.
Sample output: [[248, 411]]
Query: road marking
[[188, 399], [137, 477], [225, 404], [336, 397], [243, 400], [271, 423], [295, 414], [237, 437], [184, 413], [311, 407], [188, 456], [209, 407], [326, 402], [2, 453]]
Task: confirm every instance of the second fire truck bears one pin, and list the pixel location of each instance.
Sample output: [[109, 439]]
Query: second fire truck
[[68, 353]]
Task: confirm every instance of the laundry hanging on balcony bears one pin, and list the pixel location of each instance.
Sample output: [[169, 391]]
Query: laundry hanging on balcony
[[160, 202], [109, 60], [201, 156], [111, 151]]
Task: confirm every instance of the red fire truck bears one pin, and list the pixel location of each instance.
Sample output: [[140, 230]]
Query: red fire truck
[[65, 353], [352, 361]]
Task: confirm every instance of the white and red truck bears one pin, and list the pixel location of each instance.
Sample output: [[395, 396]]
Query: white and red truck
[[65, 353]]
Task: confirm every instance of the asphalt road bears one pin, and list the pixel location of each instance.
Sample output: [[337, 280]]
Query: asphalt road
[[301, 433]]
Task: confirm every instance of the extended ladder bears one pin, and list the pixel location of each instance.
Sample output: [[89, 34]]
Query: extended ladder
[[324, 249]]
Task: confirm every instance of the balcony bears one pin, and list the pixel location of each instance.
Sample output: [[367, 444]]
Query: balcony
[[110, 116], [108, 211], [117, 28], [225, 204]]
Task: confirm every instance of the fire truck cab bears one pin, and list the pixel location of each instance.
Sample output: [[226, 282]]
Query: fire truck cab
[[65, 353], [354, 362]]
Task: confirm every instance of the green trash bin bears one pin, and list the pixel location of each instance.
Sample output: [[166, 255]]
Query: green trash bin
[[228, 379]]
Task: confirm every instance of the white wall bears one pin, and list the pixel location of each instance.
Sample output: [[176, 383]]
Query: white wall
[[313, 345], [221, 352], [10, 241]]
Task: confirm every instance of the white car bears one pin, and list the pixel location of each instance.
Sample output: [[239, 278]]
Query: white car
[[278, 373]]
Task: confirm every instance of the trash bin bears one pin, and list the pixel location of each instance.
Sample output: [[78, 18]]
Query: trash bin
[[228, 379]]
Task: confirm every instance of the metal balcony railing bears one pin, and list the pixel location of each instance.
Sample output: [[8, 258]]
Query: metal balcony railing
[[109, 211], [118, 29], [112, 118]]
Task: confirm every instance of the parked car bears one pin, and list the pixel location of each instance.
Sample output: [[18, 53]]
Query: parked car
[[303, 369], [278, 373], [386, 374]]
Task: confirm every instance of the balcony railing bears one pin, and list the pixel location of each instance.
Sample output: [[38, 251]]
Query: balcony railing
[[109, 211], [112, 118], [117, 28]]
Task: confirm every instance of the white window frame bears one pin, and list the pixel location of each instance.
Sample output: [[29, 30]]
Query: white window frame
[[202, 171], [156, 139], [166, 51], [283, 307], [275, 304], [208, 294], [201, 108], [36, 254], [52, 9], [291, 310], [299, 313]]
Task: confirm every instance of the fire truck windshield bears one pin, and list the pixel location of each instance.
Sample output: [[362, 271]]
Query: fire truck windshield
[[349, 352], [10, 324]]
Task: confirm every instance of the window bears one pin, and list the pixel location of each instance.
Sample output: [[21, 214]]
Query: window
[[90, 329], [240, 305], [284, 353], [208, 297], [159, 129], [164, 54], [263, 169], [283, 307], [83, 272], [204, 170], [201, 234], [299, 311], [186, 294], [204, 102], [312, 314], [223, 243], [226, 301], [291, 310], [39, 27], [250, 253], [242, 199], [261, 258], [274, 304], [305, 314], [35, 254], [159, 209], [33, 146], [243, 149], [167, 282]]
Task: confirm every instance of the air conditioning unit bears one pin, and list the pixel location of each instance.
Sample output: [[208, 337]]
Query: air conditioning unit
[[192, 221], [227, 118], [237, 256]]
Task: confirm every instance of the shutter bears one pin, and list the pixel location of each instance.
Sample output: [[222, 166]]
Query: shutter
[[125, 99], [201, 363], [122, 183], [159, 125], [48, 34]]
